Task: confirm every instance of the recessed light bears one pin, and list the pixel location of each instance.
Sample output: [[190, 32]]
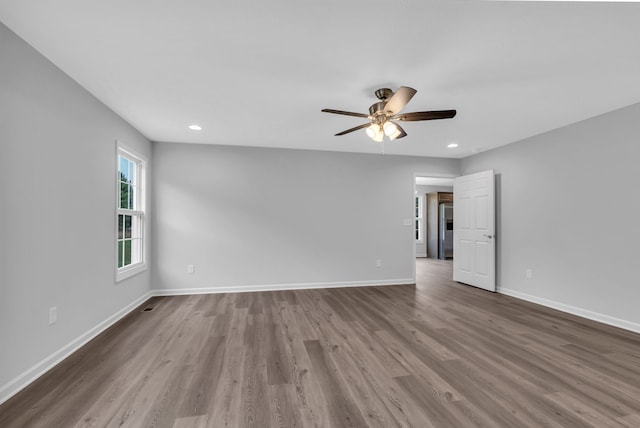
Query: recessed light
[[195, 127], [453, 145]]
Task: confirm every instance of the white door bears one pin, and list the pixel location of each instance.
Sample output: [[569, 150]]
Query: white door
[[474, 246]]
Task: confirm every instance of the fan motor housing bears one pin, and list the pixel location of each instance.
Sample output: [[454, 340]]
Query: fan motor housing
[[377, 108]]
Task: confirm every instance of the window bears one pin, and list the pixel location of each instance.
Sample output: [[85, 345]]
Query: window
[[130, 215], [419, 220]]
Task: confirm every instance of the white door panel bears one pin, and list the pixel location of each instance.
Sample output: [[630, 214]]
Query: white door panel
[[482, 220], [461, 209], [463, 259], [474, 230], [481, 258]]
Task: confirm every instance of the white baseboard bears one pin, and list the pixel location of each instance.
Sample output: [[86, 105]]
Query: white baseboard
[[22, 381], [280, 287], [584, 313]]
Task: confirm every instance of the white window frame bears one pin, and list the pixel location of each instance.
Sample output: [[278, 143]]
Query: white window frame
[[139, 211], [420, 219]]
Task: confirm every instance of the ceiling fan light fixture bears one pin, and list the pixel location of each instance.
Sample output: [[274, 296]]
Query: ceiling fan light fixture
[[390, 128], [371, 131], [374, 132], [395, 135], [195, 127]]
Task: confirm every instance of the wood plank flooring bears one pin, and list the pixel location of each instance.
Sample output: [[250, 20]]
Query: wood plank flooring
[[438, 354]]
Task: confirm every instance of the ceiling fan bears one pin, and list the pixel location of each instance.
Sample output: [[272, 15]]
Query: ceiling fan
[[383, 114]]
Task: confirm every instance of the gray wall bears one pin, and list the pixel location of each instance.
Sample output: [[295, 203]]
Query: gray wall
[[57, 224], [421, 248], [251, 217], [568, 207]]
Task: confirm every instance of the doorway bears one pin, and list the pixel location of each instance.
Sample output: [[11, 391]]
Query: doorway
[[433, 216], [473, 228]]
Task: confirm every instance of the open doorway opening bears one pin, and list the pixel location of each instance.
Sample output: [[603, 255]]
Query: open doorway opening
[[434, 217]]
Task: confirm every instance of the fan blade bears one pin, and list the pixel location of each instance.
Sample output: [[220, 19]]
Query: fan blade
[[346, 113], [399, 99], [426, 115], [401, 133], [353, 129]]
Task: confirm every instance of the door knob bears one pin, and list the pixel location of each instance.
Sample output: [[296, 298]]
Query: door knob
[[488, 236]]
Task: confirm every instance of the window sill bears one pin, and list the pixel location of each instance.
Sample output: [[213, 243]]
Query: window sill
[[129, 271]]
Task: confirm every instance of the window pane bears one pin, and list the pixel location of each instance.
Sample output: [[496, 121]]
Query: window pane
[[127, 252], [120, 253], [124, 169], [124, 195], [120, 226], [131, 199], [132, 172], [127, 227]]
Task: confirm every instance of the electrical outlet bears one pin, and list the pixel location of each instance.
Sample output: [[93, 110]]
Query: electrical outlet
[[53, 315], [191, 269], [528, 273], [379, 263]]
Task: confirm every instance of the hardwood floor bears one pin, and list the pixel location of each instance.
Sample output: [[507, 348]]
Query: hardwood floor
[[438, 354]]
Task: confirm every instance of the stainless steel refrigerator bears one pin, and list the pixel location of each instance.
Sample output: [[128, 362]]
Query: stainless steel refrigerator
[[445, 247]]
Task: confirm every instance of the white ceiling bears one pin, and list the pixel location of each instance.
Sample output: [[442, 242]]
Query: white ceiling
[[258, 72]]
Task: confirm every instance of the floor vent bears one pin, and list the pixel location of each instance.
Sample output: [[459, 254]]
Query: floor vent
[[150, 308]]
